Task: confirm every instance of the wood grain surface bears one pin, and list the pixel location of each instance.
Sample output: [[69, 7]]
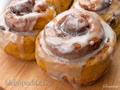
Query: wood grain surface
[[21, 75]]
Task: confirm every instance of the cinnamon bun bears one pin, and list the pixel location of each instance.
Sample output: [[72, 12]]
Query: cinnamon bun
[[75, 47], [22, 21], [28, 15], [109, 10]]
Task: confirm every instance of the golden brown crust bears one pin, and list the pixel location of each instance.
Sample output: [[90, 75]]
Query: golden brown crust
[[19, 45], [60, 5], [24, 51]]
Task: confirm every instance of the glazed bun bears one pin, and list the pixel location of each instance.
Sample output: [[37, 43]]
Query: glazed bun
[[21, 22], [75, 46]]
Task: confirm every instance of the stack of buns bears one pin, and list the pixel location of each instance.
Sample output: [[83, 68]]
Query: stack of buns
[[71, 40]]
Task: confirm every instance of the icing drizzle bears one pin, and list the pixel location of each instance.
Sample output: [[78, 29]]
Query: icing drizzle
[[22, 16], [73, 35]]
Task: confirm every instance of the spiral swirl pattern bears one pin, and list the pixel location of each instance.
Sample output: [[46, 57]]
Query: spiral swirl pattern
[[23, 15], [74, 35]]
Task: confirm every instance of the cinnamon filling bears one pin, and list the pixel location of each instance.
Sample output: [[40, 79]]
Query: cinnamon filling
[[22, 8]]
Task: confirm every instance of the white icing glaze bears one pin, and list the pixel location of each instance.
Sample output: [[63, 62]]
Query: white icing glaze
[[67, 46], [21, 17], [7, 36]]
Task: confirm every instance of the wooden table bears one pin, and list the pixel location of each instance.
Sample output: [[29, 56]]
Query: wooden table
[[22, 75]]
